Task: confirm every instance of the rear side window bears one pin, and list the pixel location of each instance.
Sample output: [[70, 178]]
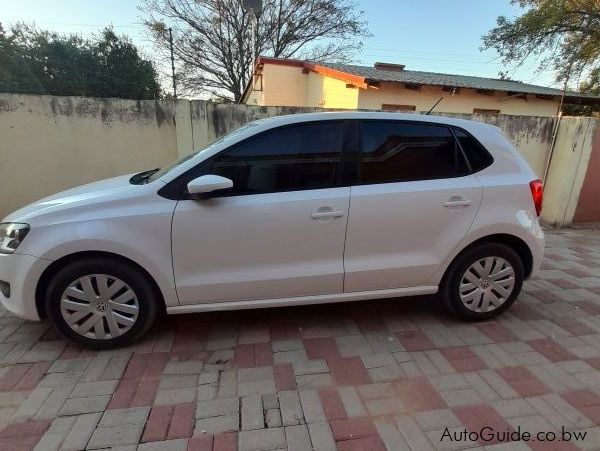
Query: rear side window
[[400, 152], [477, 155], [291, 158]]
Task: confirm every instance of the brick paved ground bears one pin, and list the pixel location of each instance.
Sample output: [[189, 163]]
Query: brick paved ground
[[359, 376]]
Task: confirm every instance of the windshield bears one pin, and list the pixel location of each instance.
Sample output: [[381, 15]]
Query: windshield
[[158, 173]]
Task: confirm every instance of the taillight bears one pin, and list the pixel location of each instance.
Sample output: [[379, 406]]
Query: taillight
[[537, 192]]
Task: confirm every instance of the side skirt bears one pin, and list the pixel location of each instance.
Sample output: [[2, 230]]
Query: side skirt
[[302, 300]]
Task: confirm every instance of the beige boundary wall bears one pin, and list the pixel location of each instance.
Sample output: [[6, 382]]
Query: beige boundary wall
[[48, 144]]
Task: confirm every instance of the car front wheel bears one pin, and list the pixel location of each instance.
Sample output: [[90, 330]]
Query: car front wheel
[[483, 282], [101, 303]]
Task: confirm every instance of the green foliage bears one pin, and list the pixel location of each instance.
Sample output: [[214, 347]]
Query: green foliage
[[33, 61], [563, 34]]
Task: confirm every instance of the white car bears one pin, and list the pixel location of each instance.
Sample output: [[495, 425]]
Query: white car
[[290, 210]]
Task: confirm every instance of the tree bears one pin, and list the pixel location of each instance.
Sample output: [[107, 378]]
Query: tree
[[563, 34], [34, 61], [213, 38]]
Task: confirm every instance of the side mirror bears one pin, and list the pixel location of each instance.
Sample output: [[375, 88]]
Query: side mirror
[[208, 184]]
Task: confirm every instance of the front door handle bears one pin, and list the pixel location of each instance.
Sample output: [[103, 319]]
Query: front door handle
[[327, 214], [458, 203]]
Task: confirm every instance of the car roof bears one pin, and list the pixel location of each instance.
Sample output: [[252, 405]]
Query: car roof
[[470, 125]]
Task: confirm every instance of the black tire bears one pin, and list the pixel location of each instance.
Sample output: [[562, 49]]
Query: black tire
[[450, 285], [147, 299]]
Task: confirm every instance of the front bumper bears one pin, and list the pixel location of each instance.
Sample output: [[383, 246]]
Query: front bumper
[[22, 272]]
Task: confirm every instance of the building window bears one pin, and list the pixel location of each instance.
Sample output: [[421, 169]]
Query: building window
[[395, 107], [485, 111]]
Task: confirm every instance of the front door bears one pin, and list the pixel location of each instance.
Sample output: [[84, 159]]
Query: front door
[[279, 232], [414, 202]]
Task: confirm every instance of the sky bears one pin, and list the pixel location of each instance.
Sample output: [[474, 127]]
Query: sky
[[429, 35]]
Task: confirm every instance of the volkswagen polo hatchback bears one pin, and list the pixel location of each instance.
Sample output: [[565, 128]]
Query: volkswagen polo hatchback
[[291, 210]]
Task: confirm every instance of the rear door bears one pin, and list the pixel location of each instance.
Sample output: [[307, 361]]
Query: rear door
[[414, 201]]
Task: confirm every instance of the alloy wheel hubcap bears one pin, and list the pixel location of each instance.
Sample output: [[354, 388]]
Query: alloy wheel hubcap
[[487, 284], [99, 306]]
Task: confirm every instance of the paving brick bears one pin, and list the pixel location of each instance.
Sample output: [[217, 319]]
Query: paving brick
[[184, 367], [352, 429], [263, 439], [310, 367], [54, 436], [256, 387], [166, 445], [200, 443], [348, 371], [158, 423], [417, 395], [370, 443], [523, 381], [310, 381], [106, 437], [80, 433], [252, 412], [311, 406], [182, 421], [297, 438], [273, 418], [321, 437], [437, 419], [86, 389], [132, 415], [551, 350], [175, 396], [291, 409], [332, 404], [171, 381], [217, 407], [412, 434], [217, 425], [33, 403], [477, 417], [77, 406], [414, 340], [392, 439], [461, 397], [284, 377]]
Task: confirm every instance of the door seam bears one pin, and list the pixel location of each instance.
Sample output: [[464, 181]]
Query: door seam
[[345, 240]]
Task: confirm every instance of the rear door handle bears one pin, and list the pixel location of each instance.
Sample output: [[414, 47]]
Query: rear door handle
[[458, 203], [327, 214]]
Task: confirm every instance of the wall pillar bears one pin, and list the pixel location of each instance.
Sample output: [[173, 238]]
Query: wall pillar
[[567, 169], [183, 127]]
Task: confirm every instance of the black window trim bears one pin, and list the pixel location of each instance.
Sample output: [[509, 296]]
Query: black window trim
[[359, 181], [491, 157], [176, 189]]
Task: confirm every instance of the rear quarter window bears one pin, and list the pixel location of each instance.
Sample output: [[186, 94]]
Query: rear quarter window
[[477, 155]]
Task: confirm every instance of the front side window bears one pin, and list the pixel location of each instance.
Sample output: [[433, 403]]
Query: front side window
[[297, 157], [395, 151]]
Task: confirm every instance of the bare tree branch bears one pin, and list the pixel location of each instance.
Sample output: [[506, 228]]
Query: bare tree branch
[[213, 38]]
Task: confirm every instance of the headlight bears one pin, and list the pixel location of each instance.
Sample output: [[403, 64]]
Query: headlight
[[11, 235]]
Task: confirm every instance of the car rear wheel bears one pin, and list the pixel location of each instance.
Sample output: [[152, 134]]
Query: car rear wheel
[[101, 303], [483, 282]]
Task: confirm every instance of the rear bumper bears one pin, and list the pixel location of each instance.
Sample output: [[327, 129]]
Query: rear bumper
[[536, 243], [22, 272]]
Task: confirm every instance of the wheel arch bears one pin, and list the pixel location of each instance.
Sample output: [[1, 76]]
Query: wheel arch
[[511, 241], [56, 265]]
